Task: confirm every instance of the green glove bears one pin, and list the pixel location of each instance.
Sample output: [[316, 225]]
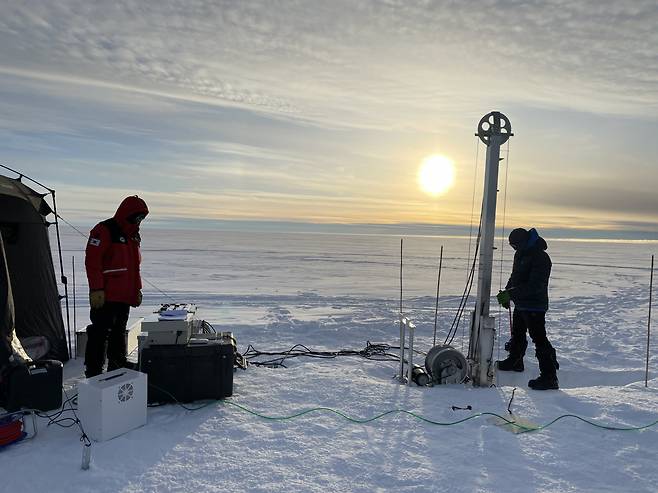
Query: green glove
[[96, 298], [503, 298]]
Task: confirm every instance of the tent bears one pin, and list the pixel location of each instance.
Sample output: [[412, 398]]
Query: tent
[[30, 299]]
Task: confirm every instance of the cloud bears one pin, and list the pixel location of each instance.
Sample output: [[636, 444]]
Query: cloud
[[365, 64], [321, 110]]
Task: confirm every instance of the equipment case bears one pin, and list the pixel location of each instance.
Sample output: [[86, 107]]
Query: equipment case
[[185, 373], [36, 385]]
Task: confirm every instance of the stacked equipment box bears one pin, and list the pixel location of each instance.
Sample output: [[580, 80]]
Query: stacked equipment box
[[201, 369]]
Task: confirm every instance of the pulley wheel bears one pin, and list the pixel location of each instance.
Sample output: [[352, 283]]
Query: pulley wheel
[[494, 123]]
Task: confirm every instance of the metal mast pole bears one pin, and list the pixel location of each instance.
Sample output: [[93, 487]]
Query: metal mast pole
[[494, 129]]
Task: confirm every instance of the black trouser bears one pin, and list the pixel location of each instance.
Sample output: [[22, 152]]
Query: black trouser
[[535, 324], [108, 325]]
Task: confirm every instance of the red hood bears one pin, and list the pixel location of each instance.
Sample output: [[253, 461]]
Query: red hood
[[130, 206]]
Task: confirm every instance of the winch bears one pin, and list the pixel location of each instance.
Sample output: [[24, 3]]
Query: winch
[[446, 365]]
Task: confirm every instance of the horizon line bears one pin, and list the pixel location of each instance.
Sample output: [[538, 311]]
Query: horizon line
[[392, 229]]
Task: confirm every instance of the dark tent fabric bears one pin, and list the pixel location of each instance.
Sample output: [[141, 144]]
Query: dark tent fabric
[[36, 301]]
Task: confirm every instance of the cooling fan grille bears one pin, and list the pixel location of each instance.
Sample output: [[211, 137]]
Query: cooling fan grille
[[125, 392]]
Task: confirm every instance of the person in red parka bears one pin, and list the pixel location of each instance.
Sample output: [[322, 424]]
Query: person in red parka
[[112, 261]]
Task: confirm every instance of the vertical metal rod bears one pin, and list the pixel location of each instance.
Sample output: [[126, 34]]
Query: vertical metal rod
[[438, 285], [646, 373], [75, 324], [402, 341], [410, 364], [401, 240], [401, 374]]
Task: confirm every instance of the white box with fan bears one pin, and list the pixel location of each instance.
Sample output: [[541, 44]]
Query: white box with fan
[[112, 403]]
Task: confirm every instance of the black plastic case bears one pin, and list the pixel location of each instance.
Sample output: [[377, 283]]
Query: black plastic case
[[35, 385], [186, 373]]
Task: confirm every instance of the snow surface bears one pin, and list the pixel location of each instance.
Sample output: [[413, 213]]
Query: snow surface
[[334, 292]]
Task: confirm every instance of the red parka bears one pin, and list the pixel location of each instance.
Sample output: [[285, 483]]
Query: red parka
[[112, 256]]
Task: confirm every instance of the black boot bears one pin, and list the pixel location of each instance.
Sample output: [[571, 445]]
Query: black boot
[[547, 369], [544, 382], [557, 365], [511, 363]]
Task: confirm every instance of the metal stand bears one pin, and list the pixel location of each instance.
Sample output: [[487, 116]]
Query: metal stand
[[494, 129], [406, 324], [410, 364]]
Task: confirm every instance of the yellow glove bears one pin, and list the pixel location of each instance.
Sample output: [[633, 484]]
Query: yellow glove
[[96, 298], [139, 298]]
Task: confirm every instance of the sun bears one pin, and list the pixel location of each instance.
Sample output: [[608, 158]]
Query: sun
[[436, 174]]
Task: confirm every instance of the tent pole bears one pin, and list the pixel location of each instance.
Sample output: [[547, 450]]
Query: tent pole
[[75, 324], [21, 175], [61, 269]]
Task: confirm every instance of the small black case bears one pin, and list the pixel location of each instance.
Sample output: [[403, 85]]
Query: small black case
[[36, 385]]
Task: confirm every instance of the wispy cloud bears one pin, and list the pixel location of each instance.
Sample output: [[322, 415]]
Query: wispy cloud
[[322, 110], [313, 59]]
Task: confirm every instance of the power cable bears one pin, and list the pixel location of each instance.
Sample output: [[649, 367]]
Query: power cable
[[376, 352], [523, 428], [176, 401], [469, 274], [465, 295], [502, 247], [55, 418], [475, 175]]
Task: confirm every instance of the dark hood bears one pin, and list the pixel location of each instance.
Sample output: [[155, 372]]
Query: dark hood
[[129, 207], [535, 241]]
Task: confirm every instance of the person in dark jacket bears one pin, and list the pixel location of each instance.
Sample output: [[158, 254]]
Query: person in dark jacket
[[527, 288], [112, 259]]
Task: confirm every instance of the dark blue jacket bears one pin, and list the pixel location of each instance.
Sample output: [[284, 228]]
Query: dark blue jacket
[[528, 283]]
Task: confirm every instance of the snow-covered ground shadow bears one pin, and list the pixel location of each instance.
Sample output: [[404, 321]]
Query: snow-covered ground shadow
[[329, 293]]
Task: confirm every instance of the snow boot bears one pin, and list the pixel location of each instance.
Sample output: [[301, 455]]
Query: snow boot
[[544, 382], [511, 364], [557, 365]]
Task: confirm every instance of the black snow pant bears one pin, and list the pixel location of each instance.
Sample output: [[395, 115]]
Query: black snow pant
[[535, 324], [108, 328]]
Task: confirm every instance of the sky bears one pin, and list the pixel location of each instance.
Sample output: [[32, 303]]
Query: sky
[[322, 112]]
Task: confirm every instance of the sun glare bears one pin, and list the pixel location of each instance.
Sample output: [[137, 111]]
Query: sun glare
[[436, 175]]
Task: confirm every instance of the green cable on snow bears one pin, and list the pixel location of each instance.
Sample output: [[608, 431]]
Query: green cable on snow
[[508, 422], [523, 428]]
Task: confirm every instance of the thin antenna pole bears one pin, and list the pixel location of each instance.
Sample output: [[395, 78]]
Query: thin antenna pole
[[402, 322], [75, 324], [646, 373], [438, 285], [401, 240]]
